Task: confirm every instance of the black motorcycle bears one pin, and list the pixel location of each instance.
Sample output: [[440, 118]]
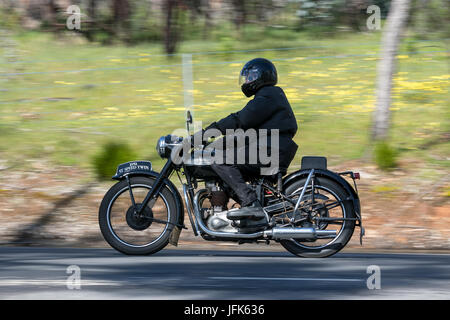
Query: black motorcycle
[[311, 212]]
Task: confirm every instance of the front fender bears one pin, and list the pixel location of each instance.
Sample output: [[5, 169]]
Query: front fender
[[132, 168]]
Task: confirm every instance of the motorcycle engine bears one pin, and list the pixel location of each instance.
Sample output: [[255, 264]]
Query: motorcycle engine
[[216, 214]]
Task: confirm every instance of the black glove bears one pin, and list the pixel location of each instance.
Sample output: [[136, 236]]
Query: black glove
[[198, 137]]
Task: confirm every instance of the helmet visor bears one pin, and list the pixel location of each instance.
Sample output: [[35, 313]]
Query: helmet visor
[[247, 76]]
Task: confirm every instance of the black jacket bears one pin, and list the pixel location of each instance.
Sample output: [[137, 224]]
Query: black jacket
[[269, 109]]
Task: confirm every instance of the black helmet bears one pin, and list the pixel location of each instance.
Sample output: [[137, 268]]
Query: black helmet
[[255, 74]]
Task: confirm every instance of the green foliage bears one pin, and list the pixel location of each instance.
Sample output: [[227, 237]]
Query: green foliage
[[385, 156], [9, 19], [279, 33], [144, 25], [226, 44], [427, 18], [320, 12], [111, 155]]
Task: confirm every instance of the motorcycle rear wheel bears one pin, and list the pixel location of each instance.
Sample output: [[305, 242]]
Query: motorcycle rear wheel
[[311, 249]]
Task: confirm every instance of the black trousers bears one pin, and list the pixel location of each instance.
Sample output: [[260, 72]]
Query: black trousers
[[232, 170], [231, 174]]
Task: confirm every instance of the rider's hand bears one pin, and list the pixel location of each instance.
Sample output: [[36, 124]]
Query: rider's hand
[[197, 138]]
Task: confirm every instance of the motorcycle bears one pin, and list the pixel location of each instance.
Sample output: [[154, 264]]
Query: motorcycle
[[311, 212]]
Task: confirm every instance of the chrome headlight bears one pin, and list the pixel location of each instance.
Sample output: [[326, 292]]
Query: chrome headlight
[[165, 145], [161, 146]]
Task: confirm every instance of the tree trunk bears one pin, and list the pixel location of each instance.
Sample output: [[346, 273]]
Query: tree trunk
[[52, 14], [240, 13], [92, 10], [171, 26], [392, 33], [92, 14], [121, 13], [208, 18]]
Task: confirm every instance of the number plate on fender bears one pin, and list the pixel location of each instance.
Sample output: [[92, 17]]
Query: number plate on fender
[[132, 167]]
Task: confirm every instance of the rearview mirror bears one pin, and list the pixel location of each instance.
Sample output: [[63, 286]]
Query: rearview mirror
[[188, 117], [188, 120]]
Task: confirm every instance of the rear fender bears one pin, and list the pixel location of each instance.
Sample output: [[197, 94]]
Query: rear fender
[[353, 196]]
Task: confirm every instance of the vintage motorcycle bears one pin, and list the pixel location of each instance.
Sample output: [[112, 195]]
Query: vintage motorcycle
[[311, 212]]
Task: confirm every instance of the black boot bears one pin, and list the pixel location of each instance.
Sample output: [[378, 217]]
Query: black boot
[[253, 211]]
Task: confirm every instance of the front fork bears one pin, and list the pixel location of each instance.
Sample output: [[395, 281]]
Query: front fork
[[156, 188]]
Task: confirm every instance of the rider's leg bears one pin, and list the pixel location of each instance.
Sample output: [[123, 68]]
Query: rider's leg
[[250, 206], [232, 176]]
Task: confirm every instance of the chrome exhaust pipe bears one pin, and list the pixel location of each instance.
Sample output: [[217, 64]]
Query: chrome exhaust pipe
[[188, 203], [279, 233], [276, 233]]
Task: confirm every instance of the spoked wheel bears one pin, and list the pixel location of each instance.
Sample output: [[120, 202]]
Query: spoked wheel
[[132, 233], [328, 211]]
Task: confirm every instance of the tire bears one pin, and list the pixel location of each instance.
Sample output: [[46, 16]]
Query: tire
[[111, 235], [345, 233]]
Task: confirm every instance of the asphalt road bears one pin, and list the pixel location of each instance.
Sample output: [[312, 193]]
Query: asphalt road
[[44, 273]]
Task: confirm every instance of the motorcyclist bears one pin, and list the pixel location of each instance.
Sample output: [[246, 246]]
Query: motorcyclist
[[269, 109]]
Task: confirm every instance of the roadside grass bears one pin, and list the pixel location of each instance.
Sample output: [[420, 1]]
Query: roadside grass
[[63, 99]]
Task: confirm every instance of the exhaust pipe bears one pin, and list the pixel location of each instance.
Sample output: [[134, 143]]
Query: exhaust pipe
[[279, 233], [276, 233]]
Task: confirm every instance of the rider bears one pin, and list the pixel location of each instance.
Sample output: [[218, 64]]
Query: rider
[[269, 109]]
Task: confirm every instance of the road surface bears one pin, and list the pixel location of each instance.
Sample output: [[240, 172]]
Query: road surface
[[52, 273]]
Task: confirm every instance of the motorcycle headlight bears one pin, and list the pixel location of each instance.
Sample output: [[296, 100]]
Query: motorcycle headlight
[[161, 146], [165, 145]]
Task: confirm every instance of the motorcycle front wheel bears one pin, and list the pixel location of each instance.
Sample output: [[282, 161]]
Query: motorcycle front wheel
[[329, 202], [134, 234]]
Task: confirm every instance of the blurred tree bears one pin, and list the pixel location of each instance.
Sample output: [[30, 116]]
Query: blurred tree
[[318, 13], [171, 28], [429, 16], [240, 13], [121, 15], [384, 6], [395, 24], [92, 16], [263, 9], [354, 13], [146, 24], [334, 13], [52, 11], [207, 9]]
